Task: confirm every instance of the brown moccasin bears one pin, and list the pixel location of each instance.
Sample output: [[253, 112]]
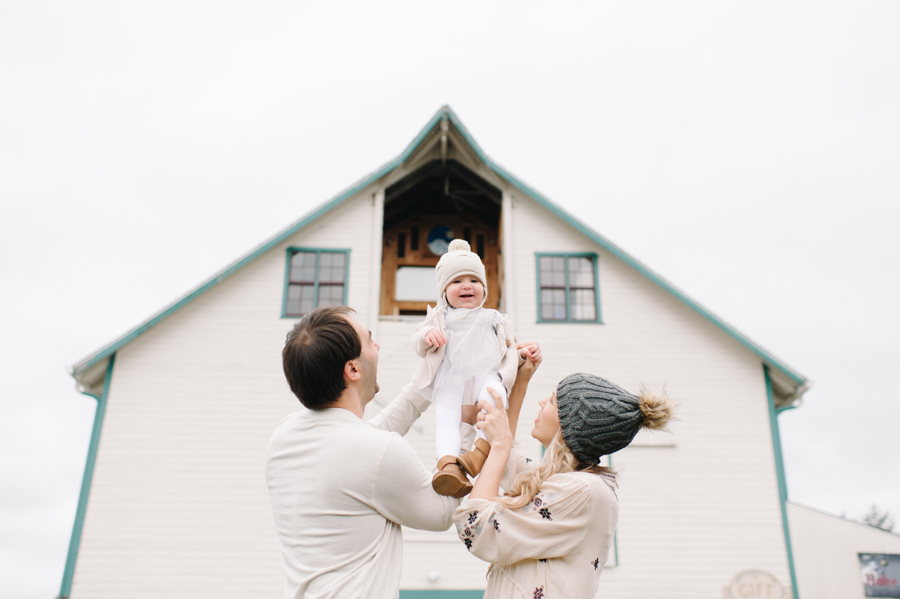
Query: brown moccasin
[[450, 480], [472, 461]]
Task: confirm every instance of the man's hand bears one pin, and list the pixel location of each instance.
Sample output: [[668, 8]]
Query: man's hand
[[435, 338], [469, 413]]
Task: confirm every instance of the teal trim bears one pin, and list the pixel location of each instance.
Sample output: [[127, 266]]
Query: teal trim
[[75, 541], [782, 481], [278, 239], [537, 279], [435, 594], [444, 112], [616, 533], [318, 251], [785, 409]]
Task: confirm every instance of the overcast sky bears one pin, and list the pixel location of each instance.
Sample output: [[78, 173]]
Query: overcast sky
[[750, 154]]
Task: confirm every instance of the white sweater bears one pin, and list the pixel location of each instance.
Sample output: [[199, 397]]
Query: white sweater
[[340, 489]]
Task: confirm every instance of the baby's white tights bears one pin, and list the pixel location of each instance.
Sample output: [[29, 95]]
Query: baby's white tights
[[448, 413]]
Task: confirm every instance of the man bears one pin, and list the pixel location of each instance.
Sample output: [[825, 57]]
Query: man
[[341, 487]]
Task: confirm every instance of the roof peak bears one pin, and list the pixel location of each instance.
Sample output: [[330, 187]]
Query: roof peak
[[790, 378]]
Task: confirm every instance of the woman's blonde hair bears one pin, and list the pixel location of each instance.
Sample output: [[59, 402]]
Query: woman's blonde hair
[[656, 409], [558, 458]]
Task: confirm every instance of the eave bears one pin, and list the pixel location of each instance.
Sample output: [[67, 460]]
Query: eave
[[788, 384]]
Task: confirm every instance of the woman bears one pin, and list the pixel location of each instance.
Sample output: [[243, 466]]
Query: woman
[[550, 535]]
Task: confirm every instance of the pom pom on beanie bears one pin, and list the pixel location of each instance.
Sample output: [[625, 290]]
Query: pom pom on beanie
[[598, 418], [458, 261], [658, 410], [458, 245]]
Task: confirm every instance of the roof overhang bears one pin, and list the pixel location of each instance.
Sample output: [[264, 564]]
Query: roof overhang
[[446, 138]]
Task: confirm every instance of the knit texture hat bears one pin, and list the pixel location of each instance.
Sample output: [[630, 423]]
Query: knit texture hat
[[597, 417], [458, 261]]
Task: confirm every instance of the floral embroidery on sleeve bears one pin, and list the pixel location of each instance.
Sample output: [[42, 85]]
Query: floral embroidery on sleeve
[[539, 592], [596, 563], [468, 532], [493, 520]]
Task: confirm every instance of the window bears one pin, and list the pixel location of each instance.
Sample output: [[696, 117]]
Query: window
[[411, 251], [567, 288], [314, 278], [415, 284]]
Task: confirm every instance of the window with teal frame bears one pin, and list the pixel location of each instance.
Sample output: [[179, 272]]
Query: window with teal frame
[[567, 288], [314, 277]]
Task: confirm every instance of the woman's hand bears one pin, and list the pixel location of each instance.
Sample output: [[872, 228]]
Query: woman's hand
[[494, 423], [435, 338]]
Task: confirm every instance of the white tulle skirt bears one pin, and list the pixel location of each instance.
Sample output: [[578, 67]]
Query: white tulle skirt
[[469, 366], [471, 354]]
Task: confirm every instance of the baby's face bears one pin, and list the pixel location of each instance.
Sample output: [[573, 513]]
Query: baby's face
[[465, 292]]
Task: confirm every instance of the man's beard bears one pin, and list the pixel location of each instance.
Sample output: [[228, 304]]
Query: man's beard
[[369, 383]]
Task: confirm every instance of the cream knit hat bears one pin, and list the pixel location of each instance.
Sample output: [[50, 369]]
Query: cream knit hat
[[458, 261]]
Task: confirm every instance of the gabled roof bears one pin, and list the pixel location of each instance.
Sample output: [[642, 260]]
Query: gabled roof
[[789, 384]]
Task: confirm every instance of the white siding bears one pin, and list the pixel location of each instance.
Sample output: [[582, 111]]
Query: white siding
[[179, 507], [826, 552], [694, 515]]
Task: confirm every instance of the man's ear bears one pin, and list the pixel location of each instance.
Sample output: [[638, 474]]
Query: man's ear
[[351, 371]]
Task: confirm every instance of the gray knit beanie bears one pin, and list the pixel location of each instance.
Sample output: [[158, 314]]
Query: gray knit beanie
[[597, 417]]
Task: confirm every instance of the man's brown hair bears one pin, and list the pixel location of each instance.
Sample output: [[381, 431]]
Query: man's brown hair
[[315, 352]]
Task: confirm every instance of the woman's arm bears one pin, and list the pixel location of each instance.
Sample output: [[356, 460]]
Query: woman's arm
[[495, 424], [554, 524], [533, 358]]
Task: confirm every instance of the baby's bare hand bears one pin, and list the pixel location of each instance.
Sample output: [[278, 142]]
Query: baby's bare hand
[[435, 338], [531, 352]]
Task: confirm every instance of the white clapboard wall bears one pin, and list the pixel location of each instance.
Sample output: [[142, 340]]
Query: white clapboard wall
[[179, 508]]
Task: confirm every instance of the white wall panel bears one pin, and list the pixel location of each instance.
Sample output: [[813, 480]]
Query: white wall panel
[[826, 552], [179, 506]]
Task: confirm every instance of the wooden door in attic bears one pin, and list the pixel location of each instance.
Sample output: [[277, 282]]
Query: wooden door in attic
[[423, 212]]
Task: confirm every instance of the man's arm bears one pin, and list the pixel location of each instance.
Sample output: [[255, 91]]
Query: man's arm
[[399, 415], [403, 492]]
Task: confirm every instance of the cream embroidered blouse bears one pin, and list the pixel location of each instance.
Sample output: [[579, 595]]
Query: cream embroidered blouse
[[554, 547]]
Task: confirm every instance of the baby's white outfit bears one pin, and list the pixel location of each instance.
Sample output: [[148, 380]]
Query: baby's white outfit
[[475, 353]]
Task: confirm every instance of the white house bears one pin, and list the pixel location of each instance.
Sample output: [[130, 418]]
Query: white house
[[832, 555], [174, 502]]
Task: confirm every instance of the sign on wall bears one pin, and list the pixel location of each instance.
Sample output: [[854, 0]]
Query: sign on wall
[[880, 574], [755, 584]]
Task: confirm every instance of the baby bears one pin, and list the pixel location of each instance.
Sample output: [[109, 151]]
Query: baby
[[467, 349]]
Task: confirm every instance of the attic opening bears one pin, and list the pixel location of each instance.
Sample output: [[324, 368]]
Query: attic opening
[[439, 202]]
